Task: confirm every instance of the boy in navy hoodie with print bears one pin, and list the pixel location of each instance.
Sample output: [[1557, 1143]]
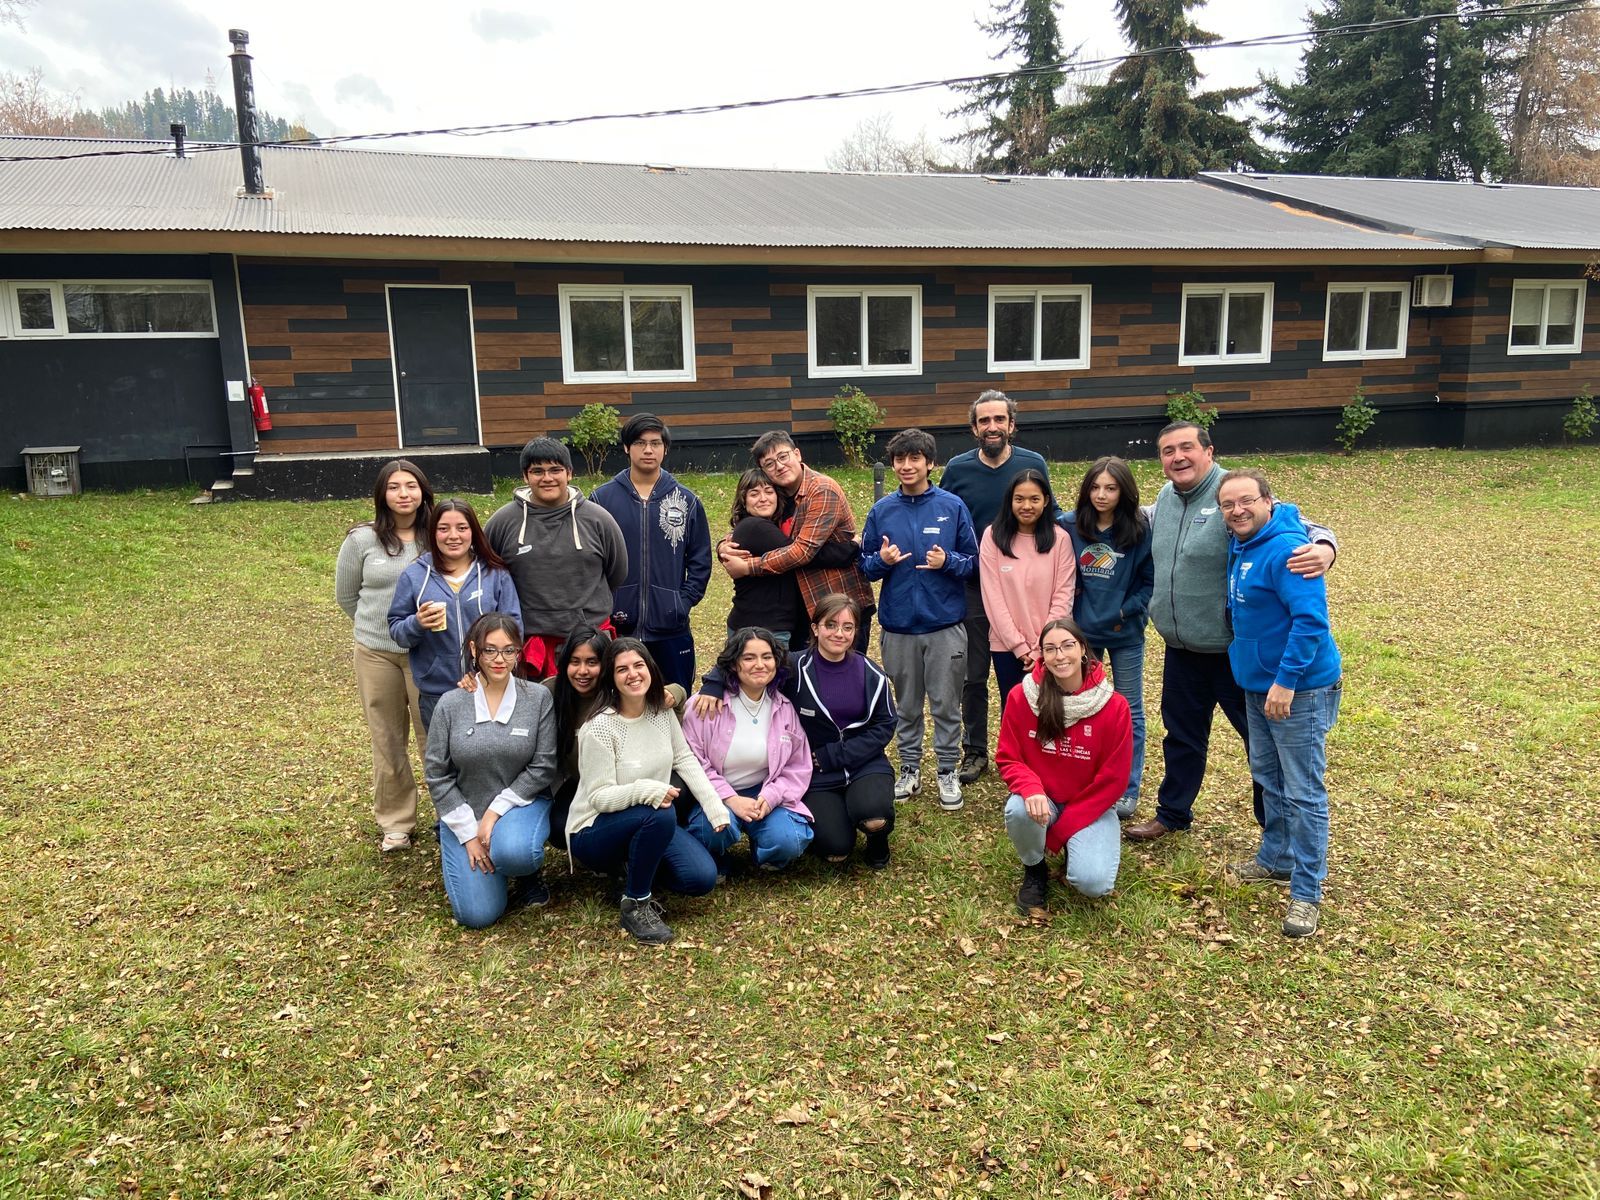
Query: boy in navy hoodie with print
[[919, 541]]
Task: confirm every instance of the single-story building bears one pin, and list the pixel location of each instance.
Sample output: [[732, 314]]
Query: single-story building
[[456, 306]]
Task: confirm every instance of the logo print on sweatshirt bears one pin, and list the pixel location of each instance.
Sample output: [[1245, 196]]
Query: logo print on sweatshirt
[[1099, 561], [675, 517]]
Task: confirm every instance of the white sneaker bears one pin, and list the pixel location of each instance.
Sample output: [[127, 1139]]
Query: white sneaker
[[907, 784], [950, 791], [395, 841]]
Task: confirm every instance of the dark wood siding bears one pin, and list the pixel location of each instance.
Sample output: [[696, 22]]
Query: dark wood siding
[[319, 341]]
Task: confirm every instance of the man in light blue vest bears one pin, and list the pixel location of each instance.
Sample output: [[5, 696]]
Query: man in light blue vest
[[1189, 545]]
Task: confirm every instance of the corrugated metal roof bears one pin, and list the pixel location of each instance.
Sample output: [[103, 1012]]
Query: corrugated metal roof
[[365, 192], [1518, 215]]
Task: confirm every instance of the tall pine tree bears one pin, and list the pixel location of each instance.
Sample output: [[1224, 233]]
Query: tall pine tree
[[1147, 118], [1408, 102], [1013, 135]]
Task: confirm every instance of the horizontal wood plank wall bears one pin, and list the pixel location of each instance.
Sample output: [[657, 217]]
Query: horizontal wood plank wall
[[319, 341]]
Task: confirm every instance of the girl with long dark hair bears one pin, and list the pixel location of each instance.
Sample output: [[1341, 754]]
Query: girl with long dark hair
[[371, 560], [460, 579], [1111, 541], [1027, 574]]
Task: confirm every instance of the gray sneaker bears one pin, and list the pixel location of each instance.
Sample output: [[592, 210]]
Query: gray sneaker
[[642, 918], [1301, 919], [1251, 871], [950, 791], [907, 784]]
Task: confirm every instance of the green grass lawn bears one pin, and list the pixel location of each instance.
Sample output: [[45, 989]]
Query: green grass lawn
[[211, 983]]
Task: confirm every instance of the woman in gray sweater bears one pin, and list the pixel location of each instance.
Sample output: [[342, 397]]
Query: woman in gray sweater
[[491, 759], [370, 562]]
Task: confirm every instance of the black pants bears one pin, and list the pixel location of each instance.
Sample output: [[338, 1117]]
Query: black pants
[[975, 692], [838, 812], [1193, 686], [863, 630]]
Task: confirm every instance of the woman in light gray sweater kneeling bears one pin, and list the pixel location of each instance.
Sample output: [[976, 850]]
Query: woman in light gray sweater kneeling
[[623, 814], [491, 758]]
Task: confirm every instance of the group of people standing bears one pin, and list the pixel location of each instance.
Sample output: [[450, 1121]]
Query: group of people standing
[[546, 659]]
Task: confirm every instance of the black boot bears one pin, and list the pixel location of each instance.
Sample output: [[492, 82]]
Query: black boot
[[875, 853], [642, 918], [1035, 890]]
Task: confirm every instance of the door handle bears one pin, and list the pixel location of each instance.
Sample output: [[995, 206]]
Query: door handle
[[402, 374]]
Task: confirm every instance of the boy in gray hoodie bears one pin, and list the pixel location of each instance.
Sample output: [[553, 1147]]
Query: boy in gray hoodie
[[565, 553]]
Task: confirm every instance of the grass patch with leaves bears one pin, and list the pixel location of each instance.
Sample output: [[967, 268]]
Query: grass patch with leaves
[[215, 985]]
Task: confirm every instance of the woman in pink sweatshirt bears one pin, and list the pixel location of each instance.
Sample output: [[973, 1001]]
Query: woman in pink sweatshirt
[[755, 754], [1027, 571]]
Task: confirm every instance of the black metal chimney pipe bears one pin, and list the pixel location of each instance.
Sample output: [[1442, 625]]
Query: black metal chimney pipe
[[178, 132], [244, 103]]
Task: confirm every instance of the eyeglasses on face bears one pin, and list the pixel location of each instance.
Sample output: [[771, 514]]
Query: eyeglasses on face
[[1229, 506], [503, 653], [781, 459], [1055, 649], [551, 472]]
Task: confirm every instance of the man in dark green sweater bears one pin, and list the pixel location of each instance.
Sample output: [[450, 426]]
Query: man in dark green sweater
[[1189, 546]]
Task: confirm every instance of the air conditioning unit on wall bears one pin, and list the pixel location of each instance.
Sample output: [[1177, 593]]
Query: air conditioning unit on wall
[[1433, 291]]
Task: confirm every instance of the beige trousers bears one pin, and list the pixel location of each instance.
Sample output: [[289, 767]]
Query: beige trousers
[[389, 702]]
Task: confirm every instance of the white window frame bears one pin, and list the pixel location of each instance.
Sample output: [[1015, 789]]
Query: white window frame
[[13, 315], [1225, 291], [1009, 294], [863, 293], [627, 293], [1366, 290], [1544, 285]]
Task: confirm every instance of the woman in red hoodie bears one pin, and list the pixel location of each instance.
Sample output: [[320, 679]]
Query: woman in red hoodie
[[1066, 744]]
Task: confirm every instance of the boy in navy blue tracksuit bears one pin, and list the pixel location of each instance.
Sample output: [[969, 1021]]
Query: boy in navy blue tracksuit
[[669, 550], [919, 541]]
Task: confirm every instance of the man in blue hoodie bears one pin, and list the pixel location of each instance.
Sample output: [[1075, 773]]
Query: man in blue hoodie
[[664, 528], [919, 541], [1284, 657]]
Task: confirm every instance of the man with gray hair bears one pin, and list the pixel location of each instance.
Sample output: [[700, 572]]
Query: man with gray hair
[[980, 478]]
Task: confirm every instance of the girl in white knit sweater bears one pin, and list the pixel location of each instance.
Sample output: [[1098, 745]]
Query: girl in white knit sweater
[[623, 813]]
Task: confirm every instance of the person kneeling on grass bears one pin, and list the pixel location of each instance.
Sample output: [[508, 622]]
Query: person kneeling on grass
[[491, 757], [1066, 743], [1285, 661], [756, 755], [623, 813]]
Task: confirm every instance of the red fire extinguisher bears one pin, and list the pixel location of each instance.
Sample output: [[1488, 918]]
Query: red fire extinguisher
[[258, 406]]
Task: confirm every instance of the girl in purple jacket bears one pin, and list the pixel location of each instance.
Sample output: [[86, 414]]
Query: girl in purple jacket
[[756, 755]]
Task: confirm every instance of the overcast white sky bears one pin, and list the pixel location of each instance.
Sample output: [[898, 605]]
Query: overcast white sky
[[348, 66]]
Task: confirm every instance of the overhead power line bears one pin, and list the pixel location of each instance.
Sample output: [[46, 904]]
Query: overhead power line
[[1535, 9]]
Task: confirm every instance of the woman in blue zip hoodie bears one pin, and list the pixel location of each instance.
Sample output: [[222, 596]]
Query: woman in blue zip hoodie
[[441, 594], [1111, 542], [1288, 667]]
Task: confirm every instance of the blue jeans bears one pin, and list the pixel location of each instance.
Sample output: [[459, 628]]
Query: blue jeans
[[1127, 677], [642, 841], [426, 703], [1289, 759], [776, 839], [1093, 853], [516, 848]]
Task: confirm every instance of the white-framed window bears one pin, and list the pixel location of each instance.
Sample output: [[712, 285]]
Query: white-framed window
[[110, 308], [612, 331], [864, 330], [1366, 320], [1038, 328], [1226, 323], [1546, 316]]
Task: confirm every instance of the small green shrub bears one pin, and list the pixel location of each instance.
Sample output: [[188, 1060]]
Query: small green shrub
[[855, 416], [1355, 419], [1190, 406], [595, 430], [1580, 419]]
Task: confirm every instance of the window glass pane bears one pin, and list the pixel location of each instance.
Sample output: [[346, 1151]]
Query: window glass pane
[[1527, 309], [137, 308], [1202, 325], [1060, 328], [1383, 320], [1561, 321], [657, 334], [597, 342], [36, 308], [1245, 311], [1344, 320], [1013, 330], [838, 331], [888, 331]]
